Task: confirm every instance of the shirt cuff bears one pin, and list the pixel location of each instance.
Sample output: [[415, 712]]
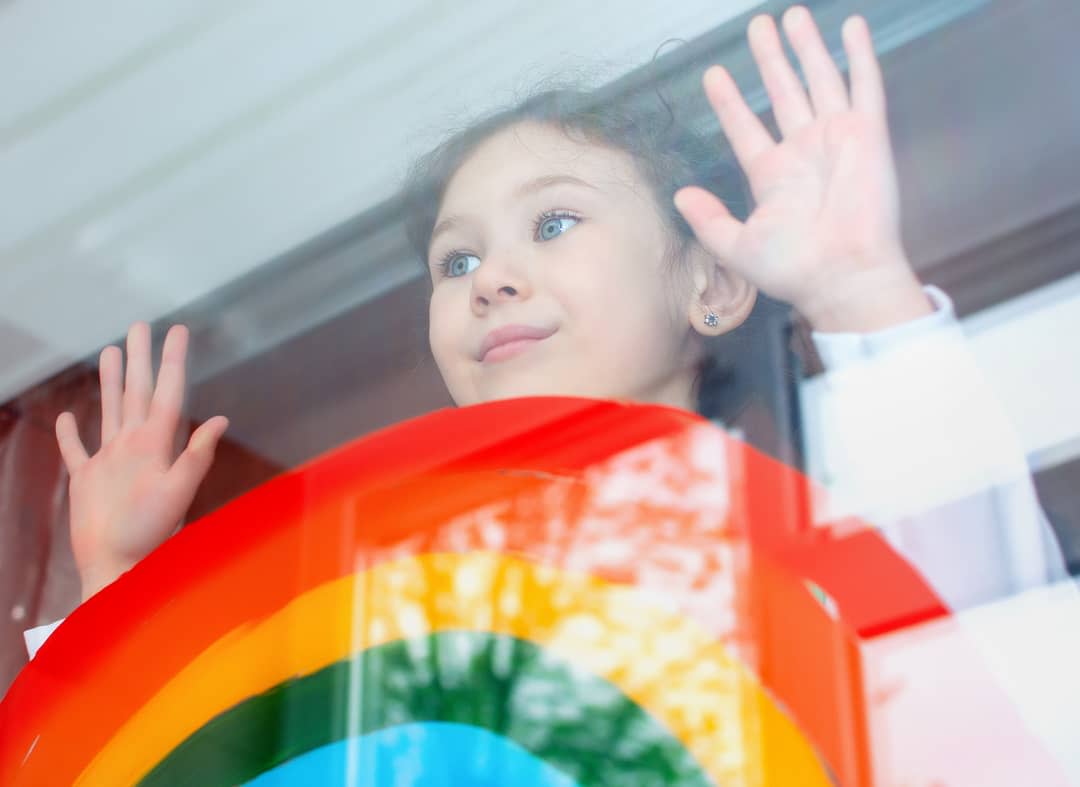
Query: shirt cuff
[[36, 637], [842, 348]]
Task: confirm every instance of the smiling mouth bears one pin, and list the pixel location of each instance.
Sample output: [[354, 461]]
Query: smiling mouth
[[510, 341], [509, 350]]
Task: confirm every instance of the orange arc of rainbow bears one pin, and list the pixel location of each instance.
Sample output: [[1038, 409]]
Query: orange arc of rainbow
[[665, 662]]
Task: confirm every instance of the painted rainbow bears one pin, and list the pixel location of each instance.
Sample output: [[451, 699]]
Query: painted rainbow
[[549, 592]]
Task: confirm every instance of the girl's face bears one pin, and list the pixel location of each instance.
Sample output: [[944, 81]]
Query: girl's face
[[551, 273]]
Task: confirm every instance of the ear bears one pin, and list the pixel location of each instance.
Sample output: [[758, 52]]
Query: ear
[[720, 299]]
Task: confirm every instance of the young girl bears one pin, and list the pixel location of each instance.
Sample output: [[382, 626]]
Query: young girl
[[573, 251]]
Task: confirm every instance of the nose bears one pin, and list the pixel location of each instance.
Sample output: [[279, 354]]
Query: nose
[[498, 281]]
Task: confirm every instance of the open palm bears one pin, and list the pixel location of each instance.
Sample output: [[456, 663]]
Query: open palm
[[826, 224], [131, 495]]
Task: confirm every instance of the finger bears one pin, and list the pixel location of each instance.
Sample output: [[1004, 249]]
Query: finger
[[71, 446], [168, 399], [747, 134], [791, 107], [138, 382], [110, 372], [194, 462], [710, 220], [827, 89], [867, 86]]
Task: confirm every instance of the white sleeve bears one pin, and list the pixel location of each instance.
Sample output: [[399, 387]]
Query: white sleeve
[[906, 433], [36, 637]]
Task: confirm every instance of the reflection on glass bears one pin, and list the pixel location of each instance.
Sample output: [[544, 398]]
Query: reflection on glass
[[564, 591]]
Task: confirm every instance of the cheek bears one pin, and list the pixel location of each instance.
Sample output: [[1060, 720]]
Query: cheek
[[446, 327], [620, 289], [628, 313], [441, 328]]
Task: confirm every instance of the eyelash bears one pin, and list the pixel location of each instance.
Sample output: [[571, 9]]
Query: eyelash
[[538, 222]]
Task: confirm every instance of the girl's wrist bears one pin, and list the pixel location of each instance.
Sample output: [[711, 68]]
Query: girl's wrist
[[874, 298], [93, 580]]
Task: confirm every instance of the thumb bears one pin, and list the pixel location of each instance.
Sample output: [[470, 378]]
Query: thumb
[[709, 218], [191, 467]]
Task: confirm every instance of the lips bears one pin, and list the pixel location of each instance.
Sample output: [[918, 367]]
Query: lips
[[509, 340]]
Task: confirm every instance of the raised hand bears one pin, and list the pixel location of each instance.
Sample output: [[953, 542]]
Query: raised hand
[[825, 233], [131, 495]]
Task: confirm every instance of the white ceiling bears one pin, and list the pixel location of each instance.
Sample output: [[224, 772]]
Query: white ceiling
[[152, 152]]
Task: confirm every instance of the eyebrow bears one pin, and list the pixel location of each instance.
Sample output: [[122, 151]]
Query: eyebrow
[[529, 187], [446, 224], [547, 181]]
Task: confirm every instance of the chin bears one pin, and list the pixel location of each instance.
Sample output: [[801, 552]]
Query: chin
[[537, 383]]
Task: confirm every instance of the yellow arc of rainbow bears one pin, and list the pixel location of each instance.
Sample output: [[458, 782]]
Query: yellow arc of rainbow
[[663, 661]]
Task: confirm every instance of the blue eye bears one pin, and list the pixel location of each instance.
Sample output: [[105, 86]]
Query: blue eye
[[457, 264], [554, 226]]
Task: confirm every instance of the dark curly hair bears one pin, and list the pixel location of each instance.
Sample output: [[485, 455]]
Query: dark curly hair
[[667, 155]]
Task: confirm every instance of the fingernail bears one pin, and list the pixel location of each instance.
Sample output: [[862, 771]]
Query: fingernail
[[795, 15], [852, 24], [204, 440], [211, 436]]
